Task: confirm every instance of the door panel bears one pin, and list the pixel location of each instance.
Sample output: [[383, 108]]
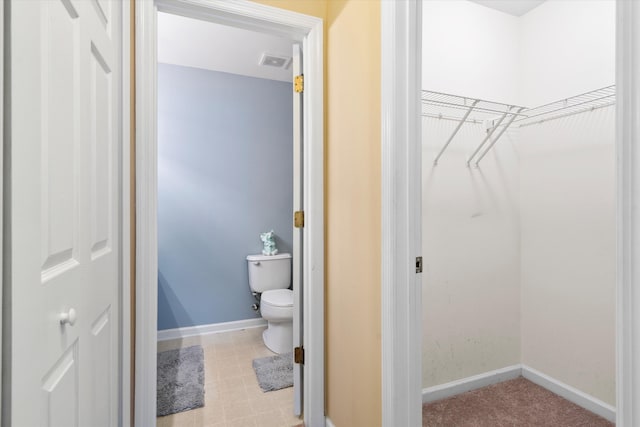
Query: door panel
[[103, 9], [101, 137], [60, 392], [64, 211], [101, 342], [59, 138]]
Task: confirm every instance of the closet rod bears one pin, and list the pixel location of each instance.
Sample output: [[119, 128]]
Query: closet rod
[[529, 117], [503, 130], [462, 121], [572, 113], [434, 104], [450, 118], [446, 100], [587, 101], [486, 138]]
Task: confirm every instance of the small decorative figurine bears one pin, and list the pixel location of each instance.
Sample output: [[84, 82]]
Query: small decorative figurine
[[268, 239]]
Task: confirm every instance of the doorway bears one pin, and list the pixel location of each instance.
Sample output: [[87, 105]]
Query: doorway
[[401, 175], [226, 179], [519, 280], [306, 31]]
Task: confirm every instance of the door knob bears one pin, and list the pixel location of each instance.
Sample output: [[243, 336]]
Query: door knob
[[68, 317]]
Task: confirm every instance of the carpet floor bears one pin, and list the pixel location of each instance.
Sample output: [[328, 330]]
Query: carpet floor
[[517, 402]]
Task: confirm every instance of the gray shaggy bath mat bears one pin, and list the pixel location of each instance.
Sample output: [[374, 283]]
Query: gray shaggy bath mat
[[180, 380], [274, 372]]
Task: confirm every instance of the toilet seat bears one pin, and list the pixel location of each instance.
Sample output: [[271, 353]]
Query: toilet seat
[[278, 297], [277, 305]]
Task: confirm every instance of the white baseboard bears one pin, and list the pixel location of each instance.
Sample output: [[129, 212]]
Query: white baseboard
[[431, 394], [572, 394], [214, 328], [328, 423]]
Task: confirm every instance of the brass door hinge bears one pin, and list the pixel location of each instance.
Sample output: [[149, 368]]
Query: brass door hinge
[[298, 355], [419, 264], [298, 219], [298, 83]]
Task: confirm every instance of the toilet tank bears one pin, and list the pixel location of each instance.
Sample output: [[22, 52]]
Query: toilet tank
[[269, 272]]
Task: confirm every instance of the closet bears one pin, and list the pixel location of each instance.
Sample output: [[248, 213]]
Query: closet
[[518, 161]]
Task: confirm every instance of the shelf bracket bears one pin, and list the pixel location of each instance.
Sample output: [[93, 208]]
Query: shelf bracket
[[489, 134], [462, 121], [503, 130]]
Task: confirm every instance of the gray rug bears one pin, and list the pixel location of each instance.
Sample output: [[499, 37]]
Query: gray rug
[[180, 380], [274, 372]]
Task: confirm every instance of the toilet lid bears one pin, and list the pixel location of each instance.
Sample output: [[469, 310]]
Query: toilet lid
[[278, 297]]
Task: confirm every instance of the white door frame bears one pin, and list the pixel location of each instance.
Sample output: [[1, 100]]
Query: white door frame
[[2, 82], [401, 214], [401, 222], [253, 16], [627, 214], [125, 222]]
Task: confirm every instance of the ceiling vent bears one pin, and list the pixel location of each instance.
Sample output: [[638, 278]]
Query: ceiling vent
[[277, 61]]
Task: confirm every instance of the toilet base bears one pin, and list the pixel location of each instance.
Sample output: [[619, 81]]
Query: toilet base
[[278, 337]]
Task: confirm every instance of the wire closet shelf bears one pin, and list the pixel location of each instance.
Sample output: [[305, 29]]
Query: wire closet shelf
[[498, 117]]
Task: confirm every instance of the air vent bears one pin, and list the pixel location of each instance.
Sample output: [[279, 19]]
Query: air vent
[[277, 61]]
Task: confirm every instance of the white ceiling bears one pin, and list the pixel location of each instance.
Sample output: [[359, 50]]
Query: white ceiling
[[200, 44], [512, 7]]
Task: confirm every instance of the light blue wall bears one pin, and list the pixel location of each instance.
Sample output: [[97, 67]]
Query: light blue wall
[[225, 175]]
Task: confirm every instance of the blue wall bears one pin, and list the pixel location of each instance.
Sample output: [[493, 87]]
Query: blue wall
[[225, 174]]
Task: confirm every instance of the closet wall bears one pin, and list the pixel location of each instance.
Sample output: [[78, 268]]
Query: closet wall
[[520, 254], [567, 189], [471, 292], [566, 48], [470, 50]]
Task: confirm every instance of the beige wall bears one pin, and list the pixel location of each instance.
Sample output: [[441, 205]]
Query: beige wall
[[353, 213], [352, 204], [316, 8]]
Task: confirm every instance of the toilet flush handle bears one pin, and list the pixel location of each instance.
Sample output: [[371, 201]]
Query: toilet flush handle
[[256, 262]]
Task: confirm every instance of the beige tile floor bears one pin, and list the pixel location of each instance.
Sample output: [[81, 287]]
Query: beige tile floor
[[232, 395]]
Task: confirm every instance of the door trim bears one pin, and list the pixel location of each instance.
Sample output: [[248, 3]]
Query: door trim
[[146, 276], [124, 380], [627, 217], [401, 342], [401, 221], [2, 112], [248, 15]]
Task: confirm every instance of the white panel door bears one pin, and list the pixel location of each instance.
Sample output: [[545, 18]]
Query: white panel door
[[298, 369], [64, 212]]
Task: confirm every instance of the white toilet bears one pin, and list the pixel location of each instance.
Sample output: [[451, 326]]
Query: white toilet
[[270, 276]]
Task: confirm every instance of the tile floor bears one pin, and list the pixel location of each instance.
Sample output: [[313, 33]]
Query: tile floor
[[232, 395]]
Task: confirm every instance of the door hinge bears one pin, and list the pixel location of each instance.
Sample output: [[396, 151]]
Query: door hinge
[[298, 355], [298, 84], [418, 264], [298, 219]]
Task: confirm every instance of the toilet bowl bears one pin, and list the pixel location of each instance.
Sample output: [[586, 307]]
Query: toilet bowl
[[270, 277], [276, 307]]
